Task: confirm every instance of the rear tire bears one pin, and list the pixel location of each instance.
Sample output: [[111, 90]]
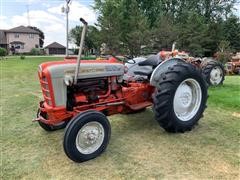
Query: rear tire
[[86, 136], [48, 127], [213, 72], [181, 99]]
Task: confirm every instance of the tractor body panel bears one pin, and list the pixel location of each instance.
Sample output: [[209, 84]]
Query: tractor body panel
[[161, 68]]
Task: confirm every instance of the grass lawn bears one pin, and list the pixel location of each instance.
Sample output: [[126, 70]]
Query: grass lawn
[[138, 148]]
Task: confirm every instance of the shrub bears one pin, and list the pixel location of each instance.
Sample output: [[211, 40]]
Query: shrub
[[3, 52], [22, 57], [35, 51], [224, 57], [75, 51], [224, 54]]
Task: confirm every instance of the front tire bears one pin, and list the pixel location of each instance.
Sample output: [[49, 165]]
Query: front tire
[[86, 136], [181, 99]]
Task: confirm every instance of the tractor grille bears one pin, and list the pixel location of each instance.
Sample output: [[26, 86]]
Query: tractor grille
[[45, 90]]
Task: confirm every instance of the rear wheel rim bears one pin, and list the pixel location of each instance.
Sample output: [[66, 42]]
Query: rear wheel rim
[[187, 99], [216, 75], [90, 137]]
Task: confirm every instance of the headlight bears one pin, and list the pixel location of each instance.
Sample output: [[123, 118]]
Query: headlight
[[68, 80]]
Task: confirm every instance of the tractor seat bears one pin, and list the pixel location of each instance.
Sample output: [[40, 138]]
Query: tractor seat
[[153, 60], [143, 73]]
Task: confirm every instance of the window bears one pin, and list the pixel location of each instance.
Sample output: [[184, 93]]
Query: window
[[16, 35], [36, 46], [31, 36], [18, 46]]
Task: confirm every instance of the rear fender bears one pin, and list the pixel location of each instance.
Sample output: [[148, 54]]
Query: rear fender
[[162, 68]]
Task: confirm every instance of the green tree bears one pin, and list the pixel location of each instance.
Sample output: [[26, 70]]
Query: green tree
[[215, 9], [198, 26], [133, 27], [109, 24], [41, 35], [123, 26], [164, 33], [232, 32], [191, 36], [92, 39]]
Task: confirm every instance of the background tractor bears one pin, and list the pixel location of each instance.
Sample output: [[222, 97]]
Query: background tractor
[[212, 70], [80, 94], [233, 67]]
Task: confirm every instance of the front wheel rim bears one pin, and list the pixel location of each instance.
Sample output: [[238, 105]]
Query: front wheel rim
[[216, 75], [187, 99], [90, 137]]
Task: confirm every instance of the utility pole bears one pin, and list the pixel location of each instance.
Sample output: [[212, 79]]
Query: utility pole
[[28, 17], [66, 10]]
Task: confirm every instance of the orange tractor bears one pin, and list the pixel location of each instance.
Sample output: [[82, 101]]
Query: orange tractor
[[212, 70], [79, 95], [233, 67]]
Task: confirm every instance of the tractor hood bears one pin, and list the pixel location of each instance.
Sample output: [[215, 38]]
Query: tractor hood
[[88, 68]]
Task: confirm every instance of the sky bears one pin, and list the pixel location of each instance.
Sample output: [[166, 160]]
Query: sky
[[47, 15]]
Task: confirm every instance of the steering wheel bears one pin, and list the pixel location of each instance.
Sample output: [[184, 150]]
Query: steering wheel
[[127, 59], [131, 61]]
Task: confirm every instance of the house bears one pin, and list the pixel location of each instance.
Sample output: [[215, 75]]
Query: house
[[20, 39], [3, 39], [55, 48]]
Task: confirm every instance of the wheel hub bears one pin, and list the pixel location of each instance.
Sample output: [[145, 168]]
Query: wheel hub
[[187, 99], [90, 137], [216, 75]]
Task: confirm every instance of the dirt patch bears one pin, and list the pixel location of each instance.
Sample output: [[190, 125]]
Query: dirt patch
[[236, 114]]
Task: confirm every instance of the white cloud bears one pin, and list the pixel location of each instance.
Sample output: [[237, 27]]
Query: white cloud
[[3, 17], [237, 9], [4, 23], [47, 5]]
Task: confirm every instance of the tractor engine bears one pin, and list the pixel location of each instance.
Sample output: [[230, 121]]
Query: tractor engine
[[96, 81], [92, 90]]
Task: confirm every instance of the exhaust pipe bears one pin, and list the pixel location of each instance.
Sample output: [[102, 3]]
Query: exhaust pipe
[[80, 49], [173, 46]]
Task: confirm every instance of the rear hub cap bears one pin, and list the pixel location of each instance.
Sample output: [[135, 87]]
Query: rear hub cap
[[216, 75], [187, 99]]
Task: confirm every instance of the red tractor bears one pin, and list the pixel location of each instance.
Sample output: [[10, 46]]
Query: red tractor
[[212, 70], [80, 94], [233, 66]]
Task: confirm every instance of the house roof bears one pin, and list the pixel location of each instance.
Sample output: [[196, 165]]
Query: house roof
[[23, 29], [3, 38], [55, 45]]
